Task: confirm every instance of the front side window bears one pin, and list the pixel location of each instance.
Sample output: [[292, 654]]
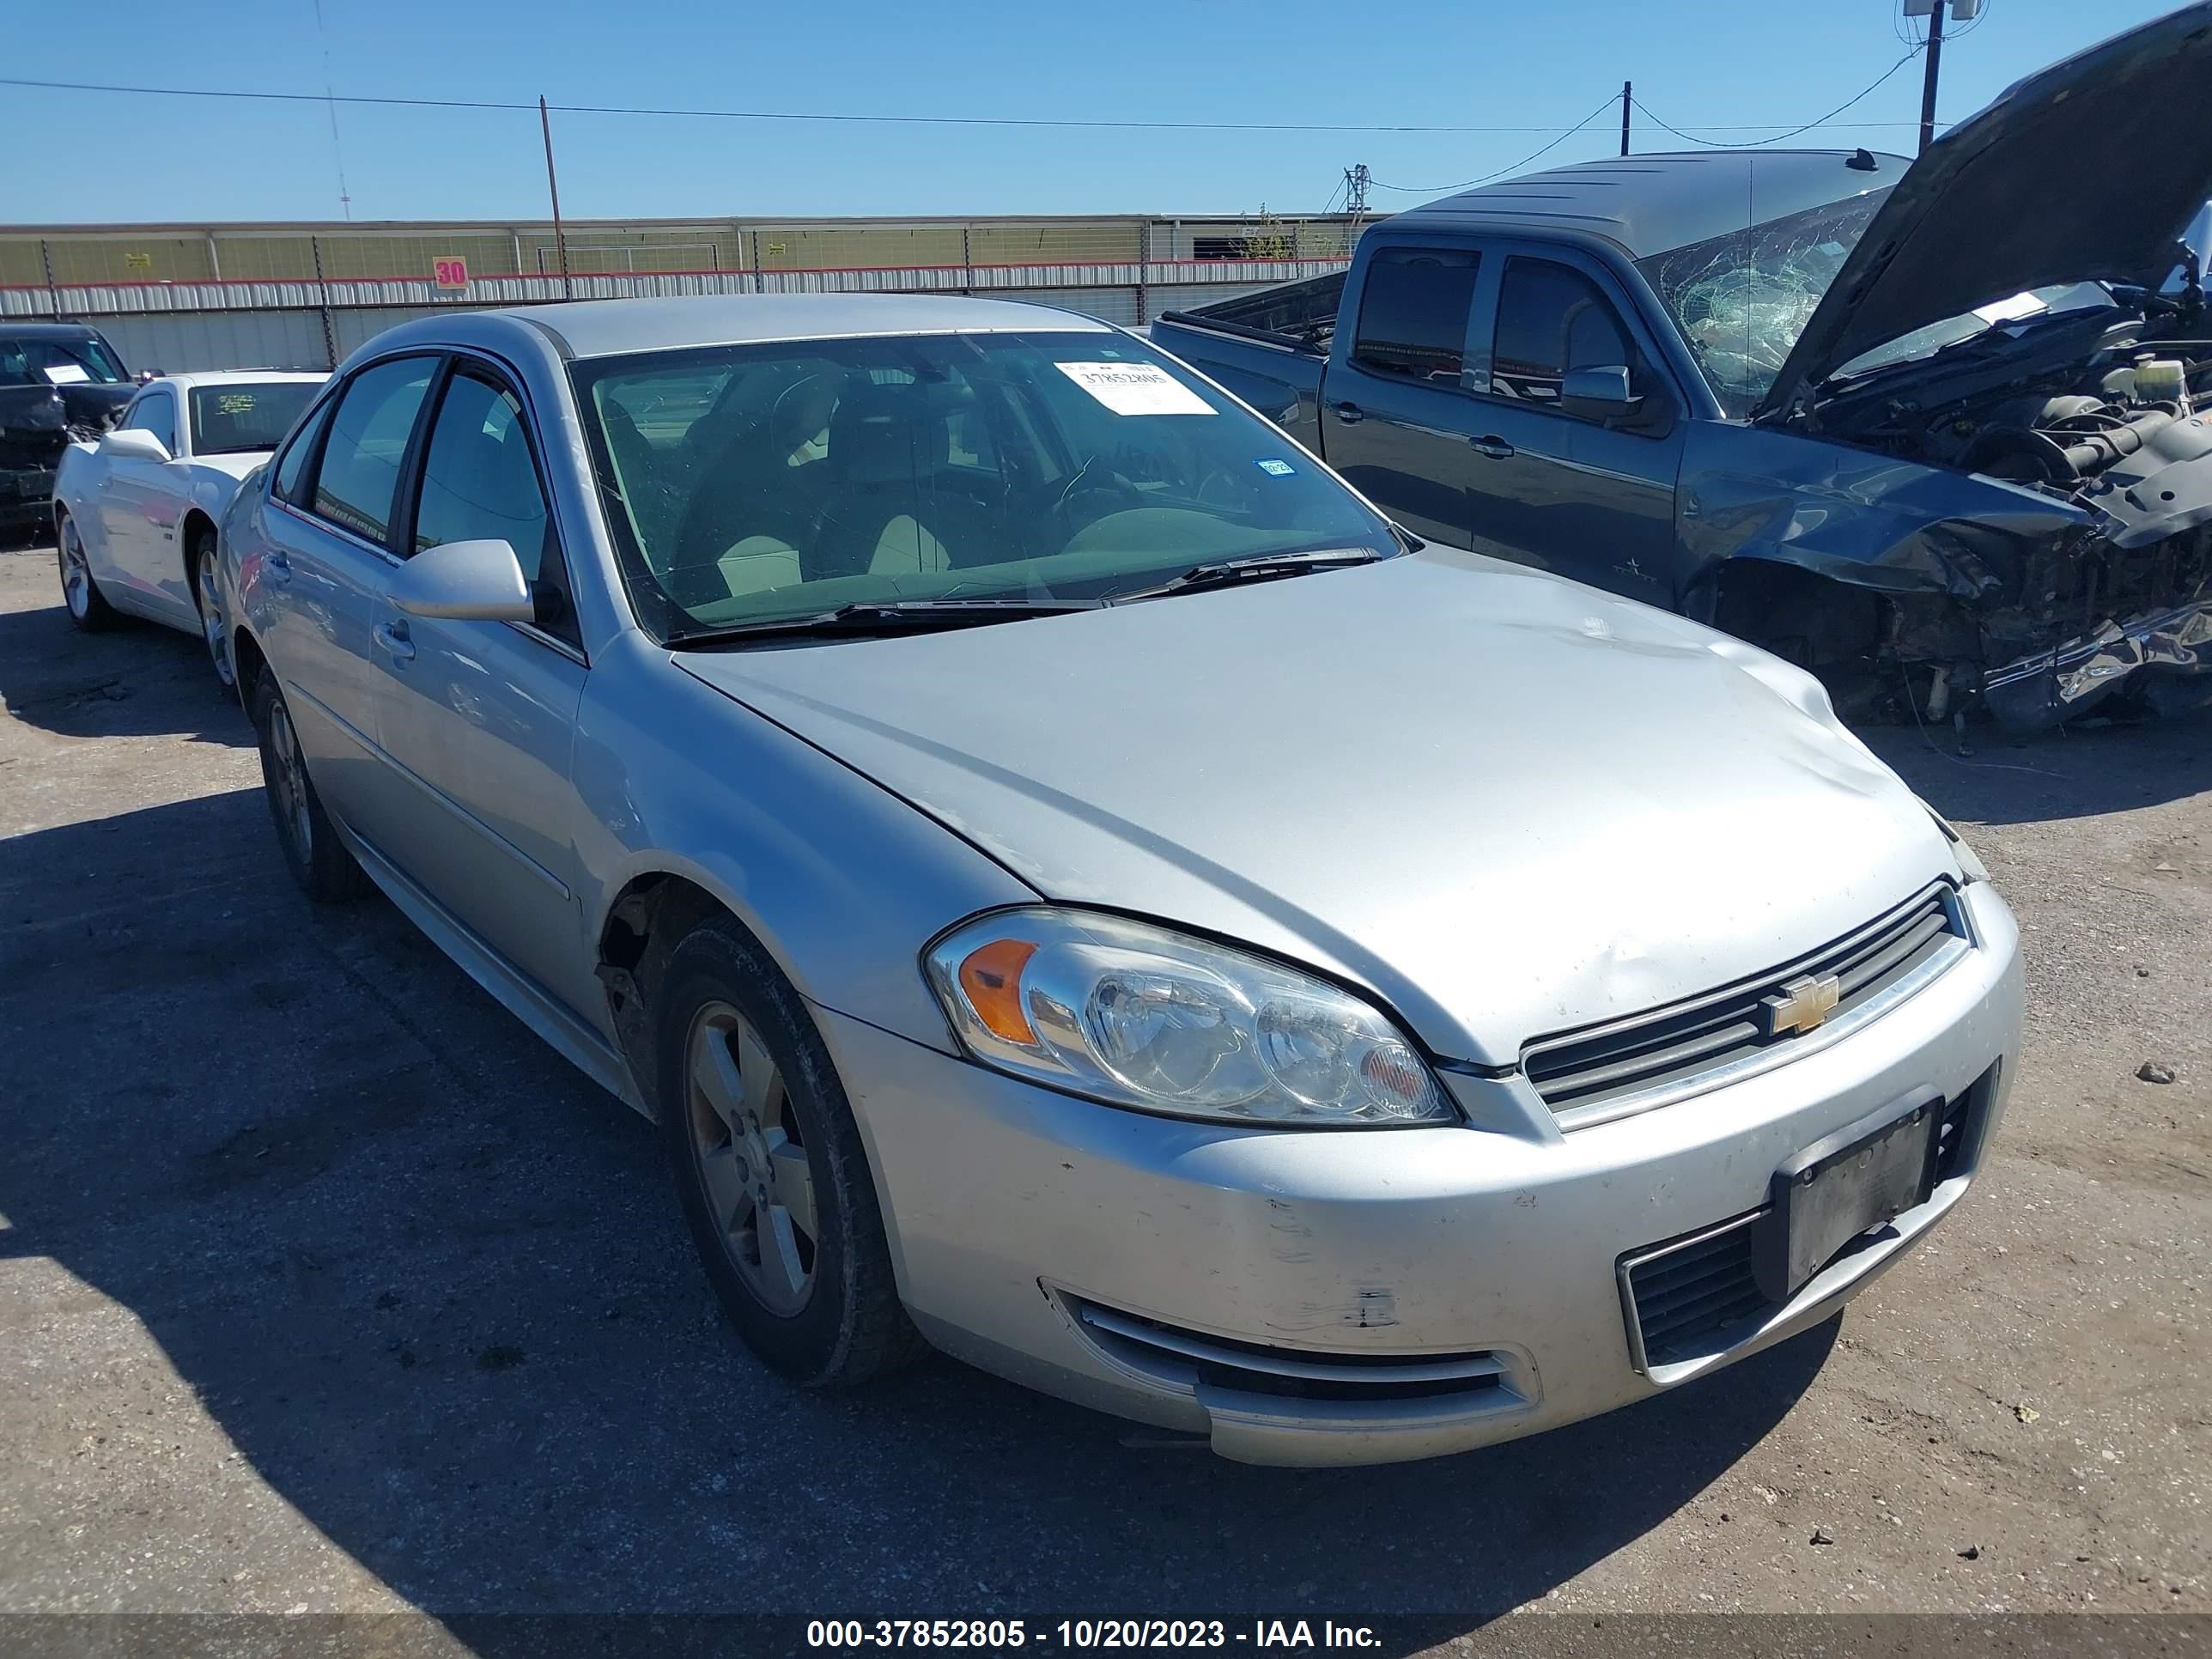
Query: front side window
[[155, 412], [1552, 318], [292, 465], [360, 474], [478, 481], [758, 482], [238, 419], [1413, 313]]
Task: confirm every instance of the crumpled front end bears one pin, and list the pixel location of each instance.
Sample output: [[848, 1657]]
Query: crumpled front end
[[2044, 562]]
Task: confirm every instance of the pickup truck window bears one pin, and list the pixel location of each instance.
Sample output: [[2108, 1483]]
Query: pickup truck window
[[823, 473], [1552, 318], [1742, 299], [1413, 313]]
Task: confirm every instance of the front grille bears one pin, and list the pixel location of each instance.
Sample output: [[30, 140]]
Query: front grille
[[1686, 1298], [1580, 1073], [1187, 1359]]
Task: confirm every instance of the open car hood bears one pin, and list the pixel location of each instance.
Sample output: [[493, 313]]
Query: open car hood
[[2086, 171]]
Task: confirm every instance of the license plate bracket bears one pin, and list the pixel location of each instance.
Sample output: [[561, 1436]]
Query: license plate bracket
[[1866, 1174]]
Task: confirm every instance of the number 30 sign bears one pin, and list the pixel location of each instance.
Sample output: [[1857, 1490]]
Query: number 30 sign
[[451, 273]]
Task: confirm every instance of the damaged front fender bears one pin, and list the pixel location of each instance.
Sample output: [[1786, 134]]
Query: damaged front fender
[[1989, 584]]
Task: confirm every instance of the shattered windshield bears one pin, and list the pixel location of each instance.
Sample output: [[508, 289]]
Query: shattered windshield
[[1742, 299]]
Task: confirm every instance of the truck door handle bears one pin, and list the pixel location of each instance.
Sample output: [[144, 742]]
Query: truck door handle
[[278, 566], [393, 636], [1496, 447], [1350, 414]]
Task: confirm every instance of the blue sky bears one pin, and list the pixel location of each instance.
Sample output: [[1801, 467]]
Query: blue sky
[[94, 157]]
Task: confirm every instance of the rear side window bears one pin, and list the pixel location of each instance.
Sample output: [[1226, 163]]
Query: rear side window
[[292, 465], [1413, 313], [360, 474], [1552, 318]]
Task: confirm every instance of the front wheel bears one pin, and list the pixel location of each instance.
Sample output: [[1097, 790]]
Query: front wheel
[[208, 593], [88, 606], [769, 1168], [326, 873]]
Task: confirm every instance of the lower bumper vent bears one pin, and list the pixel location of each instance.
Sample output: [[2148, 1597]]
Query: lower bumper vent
[[1190, 1360]]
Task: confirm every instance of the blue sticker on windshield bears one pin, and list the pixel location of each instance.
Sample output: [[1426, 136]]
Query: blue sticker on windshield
[[1275, 469]]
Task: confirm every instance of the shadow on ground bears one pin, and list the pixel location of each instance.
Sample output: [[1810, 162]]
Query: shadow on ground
[[137, 679], [2078, 771], [432, 1285]]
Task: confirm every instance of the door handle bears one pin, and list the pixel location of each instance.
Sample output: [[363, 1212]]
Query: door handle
[[1350, 414], [1496, 447], [393, 636], [278, 566]]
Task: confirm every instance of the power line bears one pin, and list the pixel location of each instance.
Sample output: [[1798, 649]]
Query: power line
[[530, 107], [1710, 143], [1515, 166]]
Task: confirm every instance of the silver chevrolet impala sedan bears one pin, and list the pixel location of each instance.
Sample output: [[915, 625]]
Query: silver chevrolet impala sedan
[[1076, 886]]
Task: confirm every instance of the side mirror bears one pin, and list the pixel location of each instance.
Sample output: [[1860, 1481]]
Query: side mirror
[[465, 581], [1599, 394], [133, 443]]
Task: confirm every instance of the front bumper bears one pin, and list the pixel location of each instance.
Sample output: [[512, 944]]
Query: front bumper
[[26, 493], [1215, 1280]]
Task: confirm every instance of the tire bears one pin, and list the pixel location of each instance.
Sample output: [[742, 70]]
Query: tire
[[739, 1147], [326, 873], [207, 594], [88, 606]]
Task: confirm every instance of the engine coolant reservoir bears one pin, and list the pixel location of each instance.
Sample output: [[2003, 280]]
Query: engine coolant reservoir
[[2162, 380]]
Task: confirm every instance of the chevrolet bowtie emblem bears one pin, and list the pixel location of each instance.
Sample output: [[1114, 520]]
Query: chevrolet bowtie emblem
[[1802, 1004]]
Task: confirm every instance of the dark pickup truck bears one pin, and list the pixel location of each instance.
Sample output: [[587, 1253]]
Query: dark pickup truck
[[1928, 428], [57, 381]]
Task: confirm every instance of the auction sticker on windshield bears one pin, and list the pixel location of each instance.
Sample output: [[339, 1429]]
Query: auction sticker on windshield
[[1136, 388]]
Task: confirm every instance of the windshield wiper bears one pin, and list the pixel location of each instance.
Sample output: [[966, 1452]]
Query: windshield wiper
[[1268, 567], [883, 616]]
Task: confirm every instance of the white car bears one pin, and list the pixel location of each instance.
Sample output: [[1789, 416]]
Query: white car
[[135, 510]]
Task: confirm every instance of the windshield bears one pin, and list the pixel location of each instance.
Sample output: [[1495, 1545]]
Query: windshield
[[230, 420], [58, 362], [750, 483]]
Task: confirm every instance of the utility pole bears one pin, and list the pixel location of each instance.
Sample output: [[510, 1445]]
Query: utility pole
[[1628, 89], [553, 185], [1928, 82], [1356, 180]]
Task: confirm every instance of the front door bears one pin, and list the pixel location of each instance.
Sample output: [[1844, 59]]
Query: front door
[[139, 503], [479, 717], [1394, 412], [1560, 491]]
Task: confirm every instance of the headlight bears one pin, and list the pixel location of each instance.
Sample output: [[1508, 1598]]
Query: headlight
[[1138, 1016]]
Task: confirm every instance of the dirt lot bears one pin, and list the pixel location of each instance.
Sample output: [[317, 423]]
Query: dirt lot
[[325, 1286]]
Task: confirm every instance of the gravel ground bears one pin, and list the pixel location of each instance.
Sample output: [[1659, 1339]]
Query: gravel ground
[[325, 1286]]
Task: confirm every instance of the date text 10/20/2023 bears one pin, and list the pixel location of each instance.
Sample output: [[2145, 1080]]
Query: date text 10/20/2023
[[988, 1635]]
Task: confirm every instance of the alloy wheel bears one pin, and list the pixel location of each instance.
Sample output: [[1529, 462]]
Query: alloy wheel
[[748, 1144], [77, 571], [211, 619], [291, 780]]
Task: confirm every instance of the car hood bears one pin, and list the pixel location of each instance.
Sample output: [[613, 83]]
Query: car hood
[[1506, 804], [2086, 171]]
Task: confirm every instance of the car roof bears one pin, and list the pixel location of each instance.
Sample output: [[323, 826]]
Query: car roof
[[240, 377], [1651, 203], [598, 328], [10, 328]]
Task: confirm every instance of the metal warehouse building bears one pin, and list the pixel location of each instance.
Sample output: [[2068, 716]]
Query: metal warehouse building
[[179, 297]]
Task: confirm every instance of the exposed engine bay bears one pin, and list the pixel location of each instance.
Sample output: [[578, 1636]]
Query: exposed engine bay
[[2107, 413]]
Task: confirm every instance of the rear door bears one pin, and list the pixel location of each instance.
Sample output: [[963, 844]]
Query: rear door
[[1560, 491], [320, 578], [1394, 405], [478, 718]]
